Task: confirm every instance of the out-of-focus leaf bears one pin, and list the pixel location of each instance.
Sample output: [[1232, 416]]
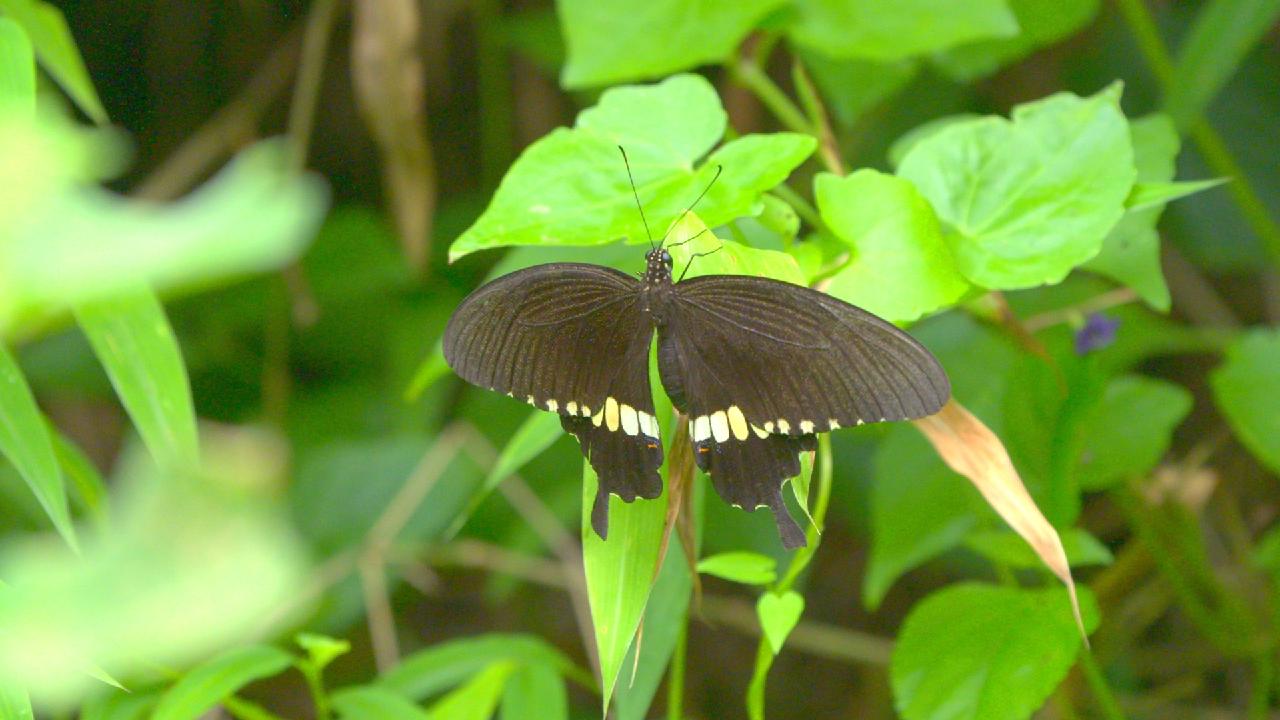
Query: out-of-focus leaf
[[726, 257], [535, 435], [25, 441], [1147, 195], [743, 567], [56, 48], [778, 616], [132, 338], [1040, 22], [1008, 549], [17, 68], [477, 698], [439, 667], [189, 568], [1223, 33], [875, 30], [14, 703], [83, 476], [614, 41], [971, 449], [571, 187], [85, 244], [119, 706], [1027, 200], [206, 685], [372, 701], [322, 649], [1129, 430], [901, 267], [1131, 251], [387, 73], [534, 691], [985, 652], [850, 86], [1247, 390]]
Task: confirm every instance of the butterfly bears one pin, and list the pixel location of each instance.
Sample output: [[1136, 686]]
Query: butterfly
[[757, 366]]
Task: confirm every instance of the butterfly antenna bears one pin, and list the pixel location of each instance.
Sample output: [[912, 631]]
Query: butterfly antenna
[[636, 194], [690, 239], [698, 255], [719, 169]]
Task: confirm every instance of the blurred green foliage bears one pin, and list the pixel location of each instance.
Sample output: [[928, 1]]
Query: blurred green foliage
[[221, 386]]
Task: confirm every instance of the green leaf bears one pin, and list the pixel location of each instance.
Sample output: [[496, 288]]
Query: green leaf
[[1129, 430], [978, 651], [25, 441], [743, 567], [56, 48], [1041, 23], [84, 477], [14, 703], [1223, 33], [322, 649], [1028, 200], [1131, 251], [612, 41], [907, 141], [372, 701], [17, 68], [779, 615], [478, 698], [534, 691], [136, 346], [119, 706], [1247, 390], [1008, 549], [875, 30], [1147, 195], [206, 685], [86, 244], [620, 571], [901, 267], [432, 670], [725, 257], [571, 187], [1266, 553]]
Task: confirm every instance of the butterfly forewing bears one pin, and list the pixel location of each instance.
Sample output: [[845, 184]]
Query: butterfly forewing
[[569, 338]]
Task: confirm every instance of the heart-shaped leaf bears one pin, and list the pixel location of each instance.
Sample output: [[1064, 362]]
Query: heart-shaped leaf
[[779, 615]]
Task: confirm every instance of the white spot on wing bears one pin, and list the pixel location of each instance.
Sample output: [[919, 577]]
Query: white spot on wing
[[630, 421], [701, 428], [806, 426], [552, 405], [784, 427], [760, 432], [720, 426], [596, 419], [571, 407], [649, 424], [768, 427], [832, 424]]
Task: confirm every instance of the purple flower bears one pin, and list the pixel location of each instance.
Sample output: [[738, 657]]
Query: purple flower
[[1098, 332]]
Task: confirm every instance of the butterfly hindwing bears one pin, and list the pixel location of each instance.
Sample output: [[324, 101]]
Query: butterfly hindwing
[[569, 338], [759, 366]]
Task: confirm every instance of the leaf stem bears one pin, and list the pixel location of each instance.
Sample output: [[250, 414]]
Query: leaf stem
[[1207, 139], [1107, 702], [753, 77]]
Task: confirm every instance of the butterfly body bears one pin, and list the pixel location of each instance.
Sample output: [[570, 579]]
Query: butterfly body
[[758, 366]]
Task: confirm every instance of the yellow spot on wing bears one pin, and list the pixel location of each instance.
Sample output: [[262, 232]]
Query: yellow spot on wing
[[738, 423]]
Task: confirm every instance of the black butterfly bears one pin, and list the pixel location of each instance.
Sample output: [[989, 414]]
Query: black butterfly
[[757, 365]]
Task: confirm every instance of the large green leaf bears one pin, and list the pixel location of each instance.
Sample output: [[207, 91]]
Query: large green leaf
[[1247, 389], [1223, 33], [372, 701], [901, 267], [205, 686], [571, 188], [439, 667], [56, 48], [477, 698], [979, 651], [875, 30], [1129, 430], [25, 441], [614, 41], [706, 254], [1027, 200], [133, 340], [1008, 549], [14, 703], [17, 68], [1040, 23], [1131, 251], [851, 86], [535, 691]]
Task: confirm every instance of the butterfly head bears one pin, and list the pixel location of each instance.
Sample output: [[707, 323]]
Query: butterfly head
[[657, 267]]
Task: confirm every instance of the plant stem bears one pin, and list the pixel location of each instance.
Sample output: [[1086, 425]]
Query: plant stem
[[1207, 139], [754, 78], [803, 207], [675, 673], [1107, 702]]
